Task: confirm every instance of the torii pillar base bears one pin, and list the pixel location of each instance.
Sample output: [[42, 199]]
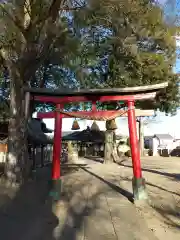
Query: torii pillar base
[[139, 190], [138, 182], [55, 189]]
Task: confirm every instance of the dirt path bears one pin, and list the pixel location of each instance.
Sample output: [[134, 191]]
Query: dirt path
[[95, 205]]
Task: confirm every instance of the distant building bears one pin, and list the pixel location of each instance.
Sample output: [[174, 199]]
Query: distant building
[[158, 142]]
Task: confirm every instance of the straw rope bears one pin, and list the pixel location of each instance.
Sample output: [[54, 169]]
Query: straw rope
[[96, 118]]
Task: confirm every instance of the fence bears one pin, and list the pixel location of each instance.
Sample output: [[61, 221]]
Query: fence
[[40, 156]]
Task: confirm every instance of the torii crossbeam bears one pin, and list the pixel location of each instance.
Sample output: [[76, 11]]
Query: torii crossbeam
[[128, 95]]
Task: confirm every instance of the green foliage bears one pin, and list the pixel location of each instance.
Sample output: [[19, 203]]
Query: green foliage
[[140, 47]]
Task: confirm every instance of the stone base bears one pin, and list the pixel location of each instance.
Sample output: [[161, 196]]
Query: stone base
[[55, 189], [139, 190]]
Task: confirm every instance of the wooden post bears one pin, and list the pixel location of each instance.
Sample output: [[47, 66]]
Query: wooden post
[[141, 136], [138, 182], [56, 168]]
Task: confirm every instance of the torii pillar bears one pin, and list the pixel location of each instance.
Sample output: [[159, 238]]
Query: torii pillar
[[138, 183], [56, 182]]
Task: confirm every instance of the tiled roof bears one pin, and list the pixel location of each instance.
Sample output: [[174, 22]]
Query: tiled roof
[[164, 136]]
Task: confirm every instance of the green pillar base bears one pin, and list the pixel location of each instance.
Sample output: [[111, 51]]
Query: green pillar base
[[55, 189], [139, 190]]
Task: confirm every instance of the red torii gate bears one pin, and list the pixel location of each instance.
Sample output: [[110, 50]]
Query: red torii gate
[[129, 95]]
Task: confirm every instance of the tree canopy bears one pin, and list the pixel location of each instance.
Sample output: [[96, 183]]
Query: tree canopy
[[136, 46], [79, 44]]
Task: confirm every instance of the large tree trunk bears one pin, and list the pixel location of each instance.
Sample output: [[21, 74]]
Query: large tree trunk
[[17, 164]]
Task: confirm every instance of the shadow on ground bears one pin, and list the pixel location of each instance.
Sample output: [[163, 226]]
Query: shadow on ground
[[77, 213], [26, 213], [67, 169], [171, 216], [29, 214], [173, 176], [169, 212], [95, 159], [116, 188]]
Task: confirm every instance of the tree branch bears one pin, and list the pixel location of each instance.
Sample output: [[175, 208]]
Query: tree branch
[[14, 19], [51, 13]]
